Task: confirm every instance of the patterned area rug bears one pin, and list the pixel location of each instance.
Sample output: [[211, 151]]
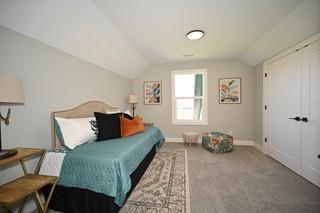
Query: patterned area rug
[[164, 187]]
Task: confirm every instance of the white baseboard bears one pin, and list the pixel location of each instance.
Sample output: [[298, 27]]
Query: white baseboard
[[243, 143], [235, 142], [258, 146], [175, 140]]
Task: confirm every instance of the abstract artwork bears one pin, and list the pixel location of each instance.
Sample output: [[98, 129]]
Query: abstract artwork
[[229, 90], [152, 92]]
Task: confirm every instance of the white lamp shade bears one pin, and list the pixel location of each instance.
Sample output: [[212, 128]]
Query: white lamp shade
[[133, 99], [11, 90]]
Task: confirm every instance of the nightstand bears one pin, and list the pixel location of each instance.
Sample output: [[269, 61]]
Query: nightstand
[[29, 184], [148, 124]]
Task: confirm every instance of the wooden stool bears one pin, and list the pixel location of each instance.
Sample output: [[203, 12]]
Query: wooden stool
[[190, 137]]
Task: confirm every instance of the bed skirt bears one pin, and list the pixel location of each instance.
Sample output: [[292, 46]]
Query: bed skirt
[[75, 200]]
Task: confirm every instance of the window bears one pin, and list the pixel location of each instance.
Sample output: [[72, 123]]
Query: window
[[189, 97]]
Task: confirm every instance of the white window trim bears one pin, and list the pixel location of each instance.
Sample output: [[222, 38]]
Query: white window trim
[[204, 121]]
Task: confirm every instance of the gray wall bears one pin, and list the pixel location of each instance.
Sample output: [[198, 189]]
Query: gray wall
[[222, 117], [258, 104], [53, 80]]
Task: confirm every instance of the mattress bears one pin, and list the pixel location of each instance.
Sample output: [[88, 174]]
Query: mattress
[[75, 200], [105, 166], [52, 163]]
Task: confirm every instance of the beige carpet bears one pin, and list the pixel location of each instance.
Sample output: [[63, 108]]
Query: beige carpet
[[164, 186], [245, 180]]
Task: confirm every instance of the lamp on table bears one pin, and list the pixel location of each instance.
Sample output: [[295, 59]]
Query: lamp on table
[[133, 101], [11, 92]]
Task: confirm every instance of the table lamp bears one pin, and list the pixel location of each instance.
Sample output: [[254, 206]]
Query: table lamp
[[133, 101], [11, 92]]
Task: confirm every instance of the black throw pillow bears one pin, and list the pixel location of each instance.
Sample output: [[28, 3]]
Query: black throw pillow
[[109, 125]]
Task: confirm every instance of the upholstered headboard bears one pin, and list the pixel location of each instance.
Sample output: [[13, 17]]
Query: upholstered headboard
[[84, 110]]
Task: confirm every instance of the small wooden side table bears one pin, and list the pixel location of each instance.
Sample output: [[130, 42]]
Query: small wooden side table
[[148, 124], [29, 184]]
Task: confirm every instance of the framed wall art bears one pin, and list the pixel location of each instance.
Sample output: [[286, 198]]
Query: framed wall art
[[230, 90], [152, 92]]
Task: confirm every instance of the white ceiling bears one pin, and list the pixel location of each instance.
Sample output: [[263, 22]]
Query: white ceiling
[[126, 36], [77, 27], [158, 28], [299, 24]]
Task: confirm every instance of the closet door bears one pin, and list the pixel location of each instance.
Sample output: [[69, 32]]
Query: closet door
[[311, 111], [284, 93]]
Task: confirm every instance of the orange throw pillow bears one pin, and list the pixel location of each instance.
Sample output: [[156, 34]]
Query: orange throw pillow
[[131, 127]]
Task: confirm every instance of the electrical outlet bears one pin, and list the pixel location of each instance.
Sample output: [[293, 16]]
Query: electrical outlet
[[230, 132]]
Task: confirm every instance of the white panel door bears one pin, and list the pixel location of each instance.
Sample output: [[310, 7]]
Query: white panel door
[[284, 89], [311, 110]]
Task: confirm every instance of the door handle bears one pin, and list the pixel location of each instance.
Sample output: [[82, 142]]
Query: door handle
[[295, 118], [304, 119]]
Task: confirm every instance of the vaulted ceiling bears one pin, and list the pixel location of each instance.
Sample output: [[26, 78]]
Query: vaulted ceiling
[[127, 36]]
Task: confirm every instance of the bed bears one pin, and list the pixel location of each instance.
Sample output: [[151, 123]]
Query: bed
[[99, 176]]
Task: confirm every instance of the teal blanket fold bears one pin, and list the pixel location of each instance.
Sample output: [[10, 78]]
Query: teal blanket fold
[[105, 167]]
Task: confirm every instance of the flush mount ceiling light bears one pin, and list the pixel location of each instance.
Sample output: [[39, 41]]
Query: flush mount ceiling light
[[195, 34]]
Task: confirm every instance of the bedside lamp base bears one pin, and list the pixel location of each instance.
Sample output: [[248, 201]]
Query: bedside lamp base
[[7, 153]]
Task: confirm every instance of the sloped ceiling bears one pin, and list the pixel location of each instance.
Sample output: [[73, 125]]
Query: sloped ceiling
[[126, 36], [299, 24], [77, 27], [158, 28]]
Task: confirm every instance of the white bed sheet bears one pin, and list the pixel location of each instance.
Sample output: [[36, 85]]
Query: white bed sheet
[[52, 163]]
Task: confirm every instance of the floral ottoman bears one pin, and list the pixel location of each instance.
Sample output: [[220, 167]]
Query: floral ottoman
[[217, 142]]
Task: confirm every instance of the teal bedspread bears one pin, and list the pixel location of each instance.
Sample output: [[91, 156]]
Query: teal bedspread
[[105, 166]]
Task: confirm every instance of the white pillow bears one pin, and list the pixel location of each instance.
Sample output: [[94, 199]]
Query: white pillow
[[118, 111], [128, 112], [76, 131]]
